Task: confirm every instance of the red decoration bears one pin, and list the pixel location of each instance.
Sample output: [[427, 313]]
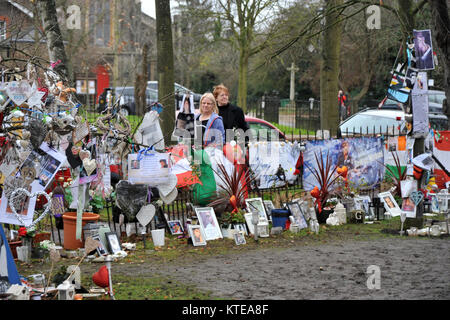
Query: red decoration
[[22, 231], [317, 194], [101, 277], [233, 202]]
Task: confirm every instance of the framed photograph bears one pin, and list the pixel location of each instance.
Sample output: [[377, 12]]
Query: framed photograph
[[256, 204], [196, 233], [390, 204], [208, 222], [423, 49], [298, 215], [175, 227], [101, 248], [113, 242], [409, 208], [434, 203], [362, 203], [269, 206], [239, 238], [263, 230], [248, 220], [241, 227]]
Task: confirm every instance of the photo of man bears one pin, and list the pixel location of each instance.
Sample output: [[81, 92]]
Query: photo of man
[[389, 202], [423, 49], [135, 164]]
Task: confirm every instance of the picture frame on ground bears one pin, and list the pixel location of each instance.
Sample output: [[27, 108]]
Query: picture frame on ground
[[241, 227], [175, 227], [256, 204], [197, 235], [208, 222], [390, 204], [363, 203], [409, 208], [239, 238], [269, 206], [248, 220], [434, 203], [298, 215], [101, 250], [113, 242]]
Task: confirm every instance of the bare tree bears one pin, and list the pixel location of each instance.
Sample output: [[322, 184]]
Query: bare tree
[[329, 73], [56, 50], [141, 84], [245, 18], [165, 65]]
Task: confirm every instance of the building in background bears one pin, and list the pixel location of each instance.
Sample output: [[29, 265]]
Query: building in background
[[103, 40]]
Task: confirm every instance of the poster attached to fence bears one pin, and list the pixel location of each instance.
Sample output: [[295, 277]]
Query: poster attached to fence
[[362, 156]]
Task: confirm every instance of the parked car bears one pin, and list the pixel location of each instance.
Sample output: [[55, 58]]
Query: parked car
[[259, 125], [126, 99], [382, 121], [179, 91]]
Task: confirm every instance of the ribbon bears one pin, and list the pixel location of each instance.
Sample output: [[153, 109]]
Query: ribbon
[[144, 152]]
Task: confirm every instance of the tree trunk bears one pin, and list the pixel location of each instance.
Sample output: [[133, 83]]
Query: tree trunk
[[165, 66], [242, 88], [141, 83], [329, 73], [55, 44], [441, 25]]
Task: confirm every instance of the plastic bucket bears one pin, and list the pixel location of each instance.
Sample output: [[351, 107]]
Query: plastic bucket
[[280, 217], [158, 237], [70, 228]]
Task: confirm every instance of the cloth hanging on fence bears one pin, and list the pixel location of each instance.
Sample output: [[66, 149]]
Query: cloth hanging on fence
[[8, 269], [204, 191]]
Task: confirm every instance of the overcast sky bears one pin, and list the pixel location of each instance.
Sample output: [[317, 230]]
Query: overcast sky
[[148, 7]]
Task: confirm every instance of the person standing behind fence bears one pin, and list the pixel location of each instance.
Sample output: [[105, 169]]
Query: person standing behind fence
[[233, 116], [342, 101], [212, 125]]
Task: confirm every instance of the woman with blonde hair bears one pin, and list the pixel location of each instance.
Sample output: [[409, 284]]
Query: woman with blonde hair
[[212, 125]]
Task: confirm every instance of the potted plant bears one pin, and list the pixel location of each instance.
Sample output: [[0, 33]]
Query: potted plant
[[325, 176], [229, 221]]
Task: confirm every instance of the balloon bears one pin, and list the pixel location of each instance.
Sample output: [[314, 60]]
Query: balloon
[[101, 277]]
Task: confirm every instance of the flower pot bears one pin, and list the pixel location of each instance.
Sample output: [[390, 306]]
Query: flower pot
[[13, 246], [40, 237], [70, 227]]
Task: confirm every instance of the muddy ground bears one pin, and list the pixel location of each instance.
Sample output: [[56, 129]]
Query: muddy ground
[[409, 269]]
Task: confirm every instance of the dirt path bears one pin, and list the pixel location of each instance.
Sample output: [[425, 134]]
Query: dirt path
[[410, 269]]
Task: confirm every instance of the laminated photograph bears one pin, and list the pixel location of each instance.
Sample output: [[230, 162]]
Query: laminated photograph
[[197, 235], [150, 168], [269, 206], [390, 204], [175, 227], [185, 122], [37, 171], [256, 204], [239, 238], [409, 208], [298, 215], [208, 222]]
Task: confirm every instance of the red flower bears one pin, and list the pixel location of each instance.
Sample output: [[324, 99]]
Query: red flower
[[22, 231]]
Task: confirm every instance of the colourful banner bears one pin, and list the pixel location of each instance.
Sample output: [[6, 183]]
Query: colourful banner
[[363, 157]]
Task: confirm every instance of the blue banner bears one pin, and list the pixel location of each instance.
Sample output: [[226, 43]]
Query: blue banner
[[362, 156]]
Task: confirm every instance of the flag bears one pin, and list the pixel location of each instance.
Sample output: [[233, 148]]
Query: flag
[[8, 270]]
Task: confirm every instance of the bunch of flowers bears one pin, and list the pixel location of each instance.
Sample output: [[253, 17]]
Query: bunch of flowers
[[26, 233]]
